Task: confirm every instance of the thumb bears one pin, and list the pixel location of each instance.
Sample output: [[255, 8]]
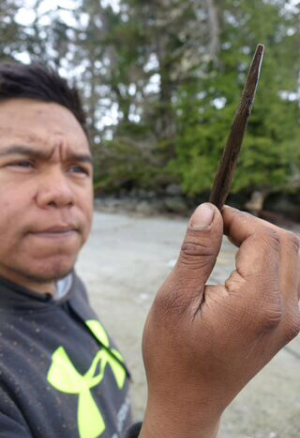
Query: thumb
[[198, 253]]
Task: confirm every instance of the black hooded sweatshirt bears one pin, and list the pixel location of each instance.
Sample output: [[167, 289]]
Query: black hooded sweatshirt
[[61, 375]]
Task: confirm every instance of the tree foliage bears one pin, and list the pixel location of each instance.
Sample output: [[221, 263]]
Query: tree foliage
[[270, 155], [162, 80]]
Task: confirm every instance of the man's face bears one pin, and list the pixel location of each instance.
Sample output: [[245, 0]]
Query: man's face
[[46, 195]]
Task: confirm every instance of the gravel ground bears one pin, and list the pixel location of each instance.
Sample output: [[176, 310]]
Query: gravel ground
[[124, 263]]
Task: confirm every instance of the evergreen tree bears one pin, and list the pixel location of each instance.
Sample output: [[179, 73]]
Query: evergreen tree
[[155, 45], [10, 30], [162, 80], [270, 156]]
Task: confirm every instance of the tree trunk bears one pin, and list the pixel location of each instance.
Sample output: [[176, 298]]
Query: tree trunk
[[214, 31]]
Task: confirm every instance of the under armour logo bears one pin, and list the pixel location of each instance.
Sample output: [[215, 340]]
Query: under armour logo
[[64, 377]]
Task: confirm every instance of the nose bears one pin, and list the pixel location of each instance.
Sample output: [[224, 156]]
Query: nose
[[55, 191]]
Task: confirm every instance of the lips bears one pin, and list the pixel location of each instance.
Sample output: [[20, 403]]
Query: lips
[[58, 231]]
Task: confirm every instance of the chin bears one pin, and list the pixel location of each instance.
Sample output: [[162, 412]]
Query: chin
[[51, 271]]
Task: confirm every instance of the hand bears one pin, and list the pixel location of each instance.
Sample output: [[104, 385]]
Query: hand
[[202, 343]]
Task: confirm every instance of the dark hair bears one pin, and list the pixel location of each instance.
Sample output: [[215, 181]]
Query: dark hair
[[37, 82]]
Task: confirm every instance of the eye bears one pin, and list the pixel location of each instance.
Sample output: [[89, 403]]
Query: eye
[[80, 170], [23, 164]]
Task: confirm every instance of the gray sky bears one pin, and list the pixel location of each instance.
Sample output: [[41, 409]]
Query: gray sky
[[26, 16]]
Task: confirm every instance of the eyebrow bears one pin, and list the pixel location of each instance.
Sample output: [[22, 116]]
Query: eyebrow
[[38, 154]]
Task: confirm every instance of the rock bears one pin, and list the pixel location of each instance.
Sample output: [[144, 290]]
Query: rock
[[97, 203], [256, 202], [115, 205], [133, 193], [144, 208], [173, 190], [158, 206], [281, 203], [151, 194], [176, 204], [129, 204], [142, 193]]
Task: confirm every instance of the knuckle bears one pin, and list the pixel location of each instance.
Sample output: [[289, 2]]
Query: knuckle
[[269, 316], [293, 325], [272, 236], [234, 283], [293, 241], [191, 252]]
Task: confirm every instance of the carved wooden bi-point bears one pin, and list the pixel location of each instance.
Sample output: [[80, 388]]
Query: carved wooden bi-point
[[233, 146]]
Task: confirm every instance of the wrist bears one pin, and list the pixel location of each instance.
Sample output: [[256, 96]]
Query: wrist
[[161, 423]]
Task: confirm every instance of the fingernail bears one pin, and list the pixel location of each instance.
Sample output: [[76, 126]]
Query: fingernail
[[202, 217]]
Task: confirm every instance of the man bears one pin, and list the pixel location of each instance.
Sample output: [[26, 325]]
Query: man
[[60, 373]]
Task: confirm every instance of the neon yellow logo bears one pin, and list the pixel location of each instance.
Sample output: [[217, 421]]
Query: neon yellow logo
[[64, 377]]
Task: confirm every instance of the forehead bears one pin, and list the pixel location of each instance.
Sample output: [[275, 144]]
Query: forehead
[[39, 123]]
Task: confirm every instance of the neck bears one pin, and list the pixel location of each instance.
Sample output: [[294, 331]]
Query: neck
[[42, 288]]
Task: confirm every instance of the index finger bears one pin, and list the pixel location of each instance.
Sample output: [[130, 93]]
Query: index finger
[[259, 243], [265, 247], [240, 225]]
